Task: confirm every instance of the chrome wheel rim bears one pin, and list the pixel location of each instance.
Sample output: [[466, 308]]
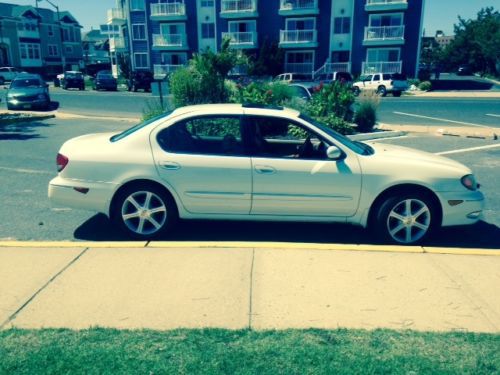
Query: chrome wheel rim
[[409, 221], [144, 213]]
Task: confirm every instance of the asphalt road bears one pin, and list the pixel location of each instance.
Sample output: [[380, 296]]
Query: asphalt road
[[27, 163]]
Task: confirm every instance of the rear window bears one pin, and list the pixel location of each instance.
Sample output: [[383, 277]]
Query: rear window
[[74, 75], [135, 128], [397, 77]]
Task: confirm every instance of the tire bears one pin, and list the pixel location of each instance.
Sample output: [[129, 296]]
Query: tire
[[396, 94], [406, 219], [132, 211], [382, 91], [356, 91]]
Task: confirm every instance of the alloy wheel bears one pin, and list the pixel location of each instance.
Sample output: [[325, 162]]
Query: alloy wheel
[[144, 213], [409, 221]]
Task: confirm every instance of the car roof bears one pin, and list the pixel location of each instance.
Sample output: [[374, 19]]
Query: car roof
[[230, 108], [27, 76]]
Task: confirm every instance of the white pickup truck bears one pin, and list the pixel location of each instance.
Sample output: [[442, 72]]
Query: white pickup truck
[[381, 83]]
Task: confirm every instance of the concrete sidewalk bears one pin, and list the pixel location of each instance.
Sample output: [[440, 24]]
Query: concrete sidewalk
[[248, 285]]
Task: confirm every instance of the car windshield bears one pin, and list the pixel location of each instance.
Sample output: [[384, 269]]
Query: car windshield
[[357, 147], [30, 82], [135, 128], [105, 76], [365, 78], [73, 75]]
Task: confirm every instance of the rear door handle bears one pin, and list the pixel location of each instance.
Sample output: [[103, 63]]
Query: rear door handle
[[264, 169], [170, 165]]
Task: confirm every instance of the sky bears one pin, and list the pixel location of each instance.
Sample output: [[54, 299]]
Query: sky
[[438, 14]]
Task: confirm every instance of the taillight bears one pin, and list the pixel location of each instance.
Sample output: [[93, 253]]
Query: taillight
[[61, 161]]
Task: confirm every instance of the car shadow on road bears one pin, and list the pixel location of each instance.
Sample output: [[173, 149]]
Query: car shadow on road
[[460, 84], [20, 131], [99, 228]]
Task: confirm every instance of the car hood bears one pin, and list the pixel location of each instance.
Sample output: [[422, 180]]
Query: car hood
[[25, 91], [407, 155]]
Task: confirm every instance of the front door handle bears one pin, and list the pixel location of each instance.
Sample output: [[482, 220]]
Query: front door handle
[[170, 165], [264, 169]]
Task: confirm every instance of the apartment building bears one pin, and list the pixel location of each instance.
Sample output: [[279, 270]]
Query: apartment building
[[34, 39], [318, 36]]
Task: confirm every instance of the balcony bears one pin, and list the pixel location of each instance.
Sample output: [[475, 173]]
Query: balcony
[[161, 70], [242, 40], [300, 68], [117, 44], [383, 5], [382, 67], [116, 16], [384, 35], [298, 38], [168, 11], [239, 9], [167, 42], [298, 7]]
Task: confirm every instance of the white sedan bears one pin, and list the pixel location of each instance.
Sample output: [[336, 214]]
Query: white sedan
[[248, 162]]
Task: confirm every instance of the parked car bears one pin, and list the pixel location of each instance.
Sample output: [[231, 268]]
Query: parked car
[[342, 77], [249, 162], [300, 91], [464, 70], [291, 77], [382, 83], [8, 73], [28, 91], [73, 79], [104, 80], [140, 80]]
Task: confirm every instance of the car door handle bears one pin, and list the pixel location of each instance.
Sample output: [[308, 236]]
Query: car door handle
[[263, 169], [170, 165]]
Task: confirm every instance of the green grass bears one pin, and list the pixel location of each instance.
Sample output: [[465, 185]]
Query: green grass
[[210, 351]]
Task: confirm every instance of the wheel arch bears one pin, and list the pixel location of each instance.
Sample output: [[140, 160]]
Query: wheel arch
[[404, 189], [140, 183]]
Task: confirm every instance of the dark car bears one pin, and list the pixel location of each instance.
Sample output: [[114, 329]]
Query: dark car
[[464, 70], [342, 77], [28, 91], [104, 80], [73, 79], [140, 80]]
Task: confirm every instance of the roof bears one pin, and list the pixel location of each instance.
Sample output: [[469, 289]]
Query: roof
[[230, 108], [46, 15]]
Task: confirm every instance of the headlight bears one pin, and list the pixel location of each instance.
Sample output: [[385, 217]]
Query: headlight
[[469, 181]]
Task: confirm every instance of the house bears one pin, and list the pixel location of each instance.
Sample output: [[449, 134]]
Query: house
[[35, 40], [96, 51], [318, 36]]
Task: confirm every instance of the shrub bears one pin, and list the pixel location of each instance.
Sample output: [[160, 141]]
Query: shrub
[[263, 93], [154, 108], [425, 86], [366, 113], [334, 98], [413, 81], [339, 125]]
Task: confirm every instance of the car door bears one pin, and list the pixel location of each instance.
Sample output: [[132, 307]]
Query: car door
[[292, 176], [204, 160]]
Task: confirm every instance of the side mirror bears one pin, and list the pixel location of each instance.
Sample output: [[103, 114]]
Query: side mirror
[[333, 153]]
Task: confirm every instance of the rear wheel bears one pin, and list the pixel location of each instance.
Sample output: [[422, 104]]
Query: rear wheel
[[382, 91], [144, 212], [356, 91], [406, 219]]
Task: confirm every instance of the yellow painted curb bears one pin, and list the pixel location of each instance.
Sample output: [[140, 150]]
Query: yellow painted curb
[[460, 251], [250, 245], [52, 244]]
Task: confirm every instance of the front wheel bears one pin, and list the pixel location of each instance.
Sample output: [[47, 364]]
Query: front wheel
[[406, 219], [382, 91], [144, 212]]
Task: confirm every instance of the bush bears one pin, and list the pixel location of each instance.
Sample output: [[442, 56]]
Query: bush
[[263, 93], [154, 108], [413, 81], [339, 125], [425, 86], [334, 98], [366, 113]]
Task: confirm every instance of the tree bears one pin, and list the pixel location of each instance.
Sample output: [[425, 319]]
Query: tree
[[124, 66], [477, 42], [269, 61]]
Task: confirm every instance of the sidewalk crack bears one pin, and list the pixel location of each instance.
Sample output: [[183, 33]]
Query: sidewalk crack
[[16, 313], [250, 311]]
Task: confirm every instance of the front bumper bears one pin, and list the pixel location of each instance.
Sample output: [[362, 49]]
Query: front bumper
[[27, 104], [461, 208], [62, 193]]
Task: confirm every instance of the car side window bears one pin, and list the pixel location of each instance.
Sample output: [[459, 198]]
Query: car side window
[[281, 138], [211, 135], [376, 77]]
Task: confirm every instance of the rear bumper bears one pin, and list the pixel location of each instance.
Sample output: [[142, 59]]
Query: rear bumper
[[63, 193]]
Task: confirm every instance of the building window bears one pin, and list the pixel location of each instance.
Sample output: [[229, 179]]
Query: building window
[[137, 5], [342, 25], [141, 60], [383, 55], [139, 32], [208, 30], [378, 20], [207, 3], [68, 49], [53, 50], [168, 58], [300, 24], [30, 51], [50, 30]]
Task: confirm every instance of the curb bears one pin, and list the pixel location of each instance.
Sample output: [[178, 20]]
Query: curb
[[20, 119], [67, 115], [377, 135], [251, 245], [466, 132]]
